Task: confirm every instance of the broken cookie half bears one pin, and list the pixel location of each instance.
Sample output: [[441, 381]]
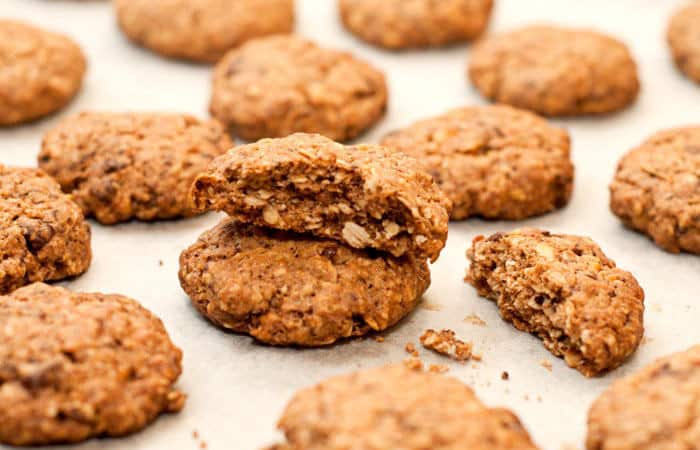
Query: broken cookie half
[[563, 289]]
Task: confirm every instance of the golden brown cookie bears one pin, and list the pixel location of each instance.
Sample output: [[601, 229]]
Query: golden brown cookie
[[496, 162], [289, 289], [397, 408], [43, 234], [684, 39], [555, 71], [41, 72], [654, 409], [398, 24], [366, 196], [75, 366], [563, 289], [122, 166], [276, 86], [656, 189], [201, 30]]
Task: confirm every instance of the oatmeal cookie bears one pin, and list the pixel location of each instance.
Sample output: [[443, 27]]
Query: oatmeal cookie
[[495, 162], [43, 234], [564, 290], [289, 289], [653, 409], [398, 24], [201, 30], [684, 39], [75, 366], [363, 195], [395, 407], [276, 86], [555, 71], [42, 72], [656, 189], [122, 166]]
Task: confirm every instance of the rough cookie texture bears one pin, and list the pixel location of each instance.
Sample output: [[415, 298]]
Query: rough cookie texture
[[43, 234], [654, 409], [75, 366], [201, 30], [363, 195], [684, 39], [397, 408], [397, 24], [555, 71], [496, 162], [122, 166], [276, 86], [288, 289], [42, 72], [564, 290], [656, 189]]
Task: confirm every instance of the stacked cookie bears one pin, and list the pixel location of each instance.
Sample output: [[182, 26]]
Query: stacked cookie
[[323, 241]]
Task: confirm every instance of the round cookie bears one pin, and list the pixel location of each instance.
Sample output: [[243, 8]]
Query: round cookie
[[653, 409], [122, 166], [76, 365], [275, 86], [43, 234], [555, 71], [289, 289], [656, 189], [495, 162], [42, 72], [201, 30], [398, 24], [394, 407], [684, 39]]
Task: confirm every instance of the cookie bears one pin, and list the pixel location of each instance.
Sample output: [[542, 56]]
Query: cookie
[[123, 166], [555, 71], [398, 24], [43, 234], [75, 366], [684, 39], [363, 195], [42, 72], [290, 289], [563, 289], [495, 162], [395, 407], [276, 86], [656, 189], [201, 30], [653, 409]]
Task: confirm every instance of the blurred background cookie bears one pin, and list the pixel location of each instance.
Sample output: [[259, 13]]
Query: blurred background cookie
[[684, 39]]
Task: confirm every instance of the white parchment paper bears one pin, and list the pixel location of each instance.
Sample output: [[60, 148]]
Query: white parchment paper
[[237, 389]]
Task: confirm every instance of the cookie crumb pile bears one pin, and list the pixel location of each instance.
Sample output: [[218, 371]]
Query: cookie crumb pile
[[446, 343]]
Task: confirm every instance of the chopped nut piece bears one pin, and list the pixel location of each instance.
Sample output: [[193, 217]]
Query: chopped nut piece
[[445, 343]]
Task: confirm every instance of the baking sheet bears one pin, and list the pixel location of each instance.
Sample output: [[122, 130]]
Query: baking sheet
[[237, 389]]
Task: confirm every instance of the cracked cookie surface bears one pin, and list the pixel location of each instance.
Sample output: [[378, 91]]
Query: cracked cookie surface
[[366, 196], [655, 408], [555, 71], [276, 86], [76, 365], [495, 162], [398, 24], [123, 166], [201, 30], [684, 39], [564, 290], [289, 289], [43, 234], [395, 407], [656, 189], [42, 72]]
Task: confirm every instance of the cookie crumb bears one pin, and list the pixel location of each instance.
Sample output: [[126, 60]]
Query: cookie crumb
[[445, 343], [203, 445], [411, 349], [438, 368], [505, 375], [195, 434], [378, 338], [546, 364], [160, 262], [413, 363], [430, 306], [475, 320]]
